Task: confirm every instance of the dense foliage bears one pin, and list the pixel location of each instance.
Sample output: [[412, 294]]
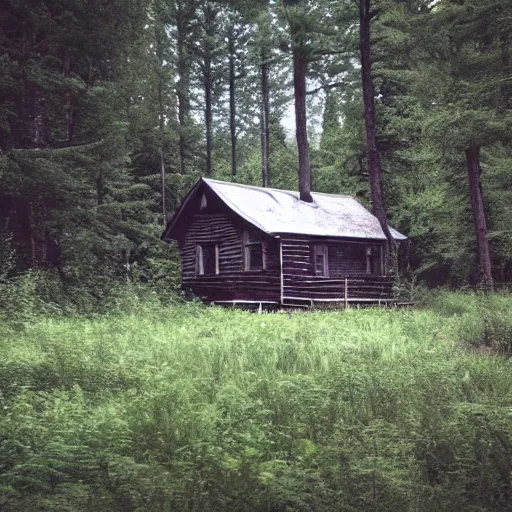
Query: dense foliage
[[110, 110], [195, 408]]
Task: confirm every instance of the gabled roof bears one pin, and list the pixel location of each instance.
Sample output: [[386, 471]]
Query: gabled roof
[[277, 211]]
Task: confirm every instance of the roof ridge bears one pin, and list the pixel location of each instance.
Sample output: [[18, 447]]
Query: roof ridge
[[244, 185], [341, 216]]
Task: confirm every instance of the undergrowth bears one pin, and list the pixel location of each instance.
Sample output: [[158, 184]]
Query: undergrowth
[[203, 409], [485, 320]]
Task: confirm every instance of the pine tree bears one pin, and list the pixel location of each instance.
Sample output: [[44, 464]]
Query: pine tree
[[63, 144], [374, 166], [297, 22], [208, 52]]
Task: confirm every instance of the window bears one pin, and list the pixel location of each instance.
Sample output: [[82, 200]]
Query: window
[[254, 252], [320, 260], [207, 259], [204, 203], [374, 260]]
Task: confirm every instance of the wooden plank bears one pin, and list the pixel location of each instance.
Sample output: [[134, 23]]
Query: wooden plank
[[360, 277], [253, 284], [340, 299], [320, 295], [340, 283], [242, 301], [281, 268], [291, 257], [298, 251]]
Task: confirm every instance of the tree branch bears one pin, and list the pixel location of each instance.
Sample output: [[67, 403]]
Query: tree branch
[[325, 87]]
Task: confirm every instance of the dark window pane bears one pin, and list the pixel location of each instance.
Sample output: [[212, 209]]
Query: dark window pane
[[255, 256], [209, 258], [346, 259], [204, 203], [319, 264]]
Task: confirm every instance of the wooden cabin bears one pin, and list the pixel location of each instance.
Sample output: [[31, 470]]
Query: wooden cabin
[[264, 246]]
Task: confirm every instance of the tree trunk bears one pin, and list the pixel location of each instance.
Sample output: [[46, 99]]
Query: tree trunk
[[477, 207], [299, 85], [210, 12], [264, 121], [374, 167], [208, 116], [161, 116], [232, 103], [162, 177], [183, 85], [23, 231]]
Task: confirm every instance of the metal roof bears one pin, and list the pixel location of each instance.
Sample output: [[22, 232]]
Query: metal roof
[[277, 211]]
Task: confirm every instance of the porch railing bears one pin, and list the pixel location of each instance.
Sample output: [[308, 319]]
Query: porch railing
[[350, 289]]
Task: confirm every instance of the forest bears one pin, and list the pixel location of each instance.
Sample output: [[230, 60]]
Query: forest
[[110, 111], [120, 394]]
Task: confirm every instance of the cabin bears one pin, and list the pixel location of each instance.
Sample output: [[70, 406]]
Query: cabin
[[241, 244]]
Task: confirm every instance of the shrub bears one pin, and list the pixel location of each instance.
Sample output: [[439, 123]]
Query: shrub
[[202, 408], [448, 303], [491, 328]]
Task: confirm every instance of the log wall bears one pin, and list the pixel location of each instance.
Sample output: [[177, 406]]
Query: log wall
[[346, 260], [233, 282], [300, 282], [297, 282]]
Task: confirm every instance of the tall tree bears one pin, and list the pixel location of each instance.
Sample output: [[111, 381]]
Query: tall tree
[[62, 145], [264, 117], [184, 15], [161, 44], [374, 166], [237, 32], [207, 50], [264, 69], [297, 23], [466, 77], [479, 217], [259, 54]]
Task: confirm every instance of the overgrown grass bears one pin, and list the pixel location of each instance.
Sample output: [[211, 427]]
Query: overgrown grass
[[203, 409], [486, 321]]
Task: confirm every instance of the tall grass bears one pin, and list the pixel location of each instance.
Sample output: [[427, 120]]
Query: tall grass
[[203, 409]]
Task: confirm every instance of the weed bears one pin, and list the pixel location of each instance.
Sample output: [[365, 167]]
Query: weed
[[198, 408]]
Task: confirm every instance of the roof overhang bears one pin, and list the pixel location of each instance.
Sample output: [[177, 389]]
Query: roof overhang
[[238, 198]]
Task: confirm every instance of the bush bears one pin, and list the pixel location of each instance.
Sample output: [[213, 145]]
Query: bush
[[489, 326], [37, 293], [448, 303], [202, 408]]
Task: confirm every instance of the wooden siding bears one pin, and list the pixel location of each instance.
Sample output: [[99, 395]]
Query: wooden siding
[[296, 284], [349, 259], [300, 282], [346, 260], [232, 282]]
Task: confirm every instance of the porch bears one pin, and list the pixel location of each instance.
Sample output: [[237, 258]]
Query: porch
[[311, 290]]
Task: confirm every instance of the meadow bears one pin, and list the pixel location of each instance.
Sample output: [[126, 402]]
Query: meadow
[[195, 408]]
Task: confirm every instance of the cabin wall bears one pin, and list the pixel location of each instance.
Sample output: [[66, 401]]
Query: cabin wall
[[300, 281], [346, 260], [232, 282]]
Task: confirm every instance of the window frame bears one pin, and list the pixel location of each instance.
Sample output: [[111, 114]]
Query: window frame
[[374, 260], [199, 266], [321, 250], [369, 260], [203, 205], [249, 241]]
